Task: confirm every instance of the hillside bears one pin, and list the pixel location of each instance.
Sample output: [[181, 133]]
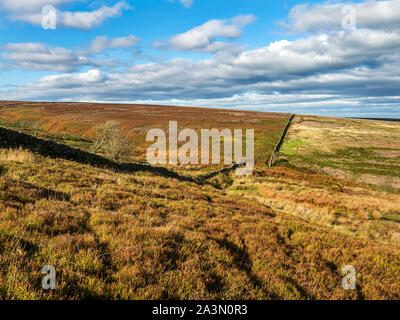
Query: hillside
[[73, 123], [339, 173], [139, 235]]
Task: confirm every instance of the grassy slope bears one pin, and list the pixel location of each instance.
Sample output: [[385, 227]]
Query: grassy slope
[[357, 150], [138, 236], [72, 123], [339, 173]]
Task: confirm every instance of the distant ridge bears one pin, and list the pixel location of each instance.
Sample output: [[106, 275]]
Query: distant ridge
[[377, 119]]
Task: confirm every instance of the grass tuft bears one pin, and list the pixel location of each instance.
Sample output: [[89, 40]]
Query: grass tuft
[[19, 155]]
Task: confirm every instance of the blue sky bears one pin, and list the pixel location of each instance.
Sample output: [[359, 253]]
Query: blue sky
[[270, 55]]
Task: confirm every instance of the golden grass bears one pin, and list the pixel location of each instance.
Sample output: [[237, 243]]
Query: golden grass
[[116, 236], [358, 150], [74, 123], [19, 155], [284, 233], [340, 173]]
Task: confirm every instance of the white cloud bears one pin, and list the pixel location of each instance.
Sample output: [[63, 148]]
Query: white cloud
[[38, 56], [203, 38], [320, 53], [187, 3], [328, 69], [30, 5], [327, 17], [91, 76], [101, 43], [84, 20], [340, 72], [41, 57]]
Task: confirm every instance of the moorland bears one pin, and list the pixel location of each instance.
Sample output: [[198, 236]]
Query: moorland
[[331, 199]]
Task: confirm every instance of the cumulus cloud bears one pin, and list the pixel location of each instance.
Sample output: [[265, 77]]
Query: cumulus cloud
[[101, 43], [38, 56], [203, 38], [320, 53], [306, 95], [30, 5], [72, 80], [328, 17], [334, 70], [84, 20], [340, 72], [41, 57]]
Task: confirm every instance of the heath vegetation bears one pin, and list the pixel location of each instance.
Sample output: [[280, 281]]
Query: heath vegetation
[[284, 233]]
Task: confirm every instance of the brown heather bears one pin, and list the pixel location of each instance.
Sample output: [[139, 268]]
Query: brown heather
[[284, 233]]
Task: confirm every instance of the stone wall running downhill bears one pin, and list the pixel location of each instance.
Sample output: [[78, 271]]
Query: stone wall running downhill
[[280, 142]]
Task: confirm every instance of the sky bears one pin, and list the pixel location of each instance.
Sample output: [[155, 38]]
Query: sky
[[317, 57]]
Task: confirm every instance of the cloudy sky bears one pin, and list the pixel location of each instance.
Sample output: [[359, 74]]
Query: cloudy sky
[[326, 58]]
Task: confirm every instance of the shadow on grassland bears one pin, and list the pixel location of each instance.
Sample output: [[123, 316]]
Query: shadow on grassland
[[14, 139]]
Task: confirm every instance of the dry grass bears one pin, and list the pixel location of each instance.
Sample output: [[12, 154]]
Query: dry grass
[[356, 150], [115, 236], [344, 206], [284, 233], [18, 155], [128, 237], [339, 173], [74, 123]]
